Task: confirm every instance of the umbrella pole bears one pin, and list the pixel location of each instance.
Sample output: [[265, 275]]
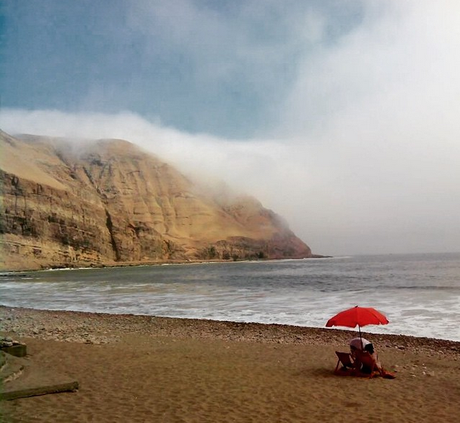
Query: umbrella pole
[[360, 337]]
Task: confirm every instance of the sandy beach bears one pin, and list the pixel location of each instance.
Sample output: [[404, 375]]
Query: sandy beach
[[150, 369]]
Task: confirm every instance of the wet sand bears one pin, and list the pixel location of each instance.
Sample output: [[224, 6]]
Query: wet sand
[[150, 369]]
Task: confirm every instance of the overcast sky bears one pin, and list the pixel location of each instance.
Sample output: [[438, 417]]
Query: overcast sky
[[341, 116]]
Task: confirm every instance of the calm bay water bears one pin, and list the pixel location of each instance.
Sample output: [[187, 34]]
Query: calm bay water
[[420, 294]]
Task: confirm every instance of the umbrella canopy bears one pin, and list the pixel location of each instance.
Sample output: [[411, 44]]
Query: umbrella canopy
[[357, 316]]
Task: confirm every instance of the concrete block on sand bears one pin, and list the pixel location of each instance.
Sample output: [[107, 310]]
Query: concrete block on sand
[[18, 350], [20, 378]]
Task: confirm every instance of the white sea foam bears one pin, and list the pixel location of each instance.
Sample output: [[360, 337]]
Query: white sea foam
[[420, 296]]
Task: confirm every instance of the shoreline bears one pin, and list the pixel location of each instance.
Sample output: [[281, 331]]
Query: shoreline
[[158, 369], [96, 265], [115, 265], [76, 326], [228, 323]]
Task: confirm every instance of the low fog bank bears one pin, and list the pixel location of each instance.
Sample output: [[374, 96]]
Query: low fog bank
[[342, 194]]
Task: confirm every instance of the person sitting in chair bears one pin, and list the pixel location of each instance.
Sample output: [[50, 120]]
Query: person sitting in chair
[[364, 354]]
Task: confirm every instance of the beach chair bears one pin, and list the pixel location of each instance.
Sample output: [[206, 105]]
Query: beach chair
[[345, 364]]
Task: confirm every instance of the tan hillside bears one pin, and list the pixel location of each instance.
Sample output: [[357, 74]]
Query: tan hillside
[[108, 202]]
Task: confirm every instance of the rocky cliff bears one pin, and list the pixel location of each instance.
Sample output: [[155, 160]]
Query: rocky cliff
[[108, 202]]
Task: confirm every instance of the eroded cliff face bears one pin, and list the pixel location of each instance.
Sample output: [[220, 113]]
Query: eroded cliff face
[[108, 202]]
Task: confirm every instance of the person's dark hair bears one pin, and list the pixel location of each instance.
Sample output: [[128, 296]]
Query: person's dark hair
[[369, 348]]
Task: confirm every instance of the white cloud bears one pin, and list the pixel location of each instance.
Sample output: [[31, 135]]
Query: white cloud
[[378, 112]]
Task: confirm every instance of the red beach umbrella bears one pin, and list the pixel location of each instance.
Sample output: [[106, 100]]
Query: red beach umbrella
[[357, 316]]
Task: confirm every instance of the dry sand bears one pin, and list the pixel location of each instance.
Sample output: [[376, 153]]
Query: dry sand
[[149, 369]]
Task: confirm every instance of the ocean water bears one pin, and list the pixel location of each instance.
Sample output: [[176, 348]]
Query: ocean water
[[419, 294]]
